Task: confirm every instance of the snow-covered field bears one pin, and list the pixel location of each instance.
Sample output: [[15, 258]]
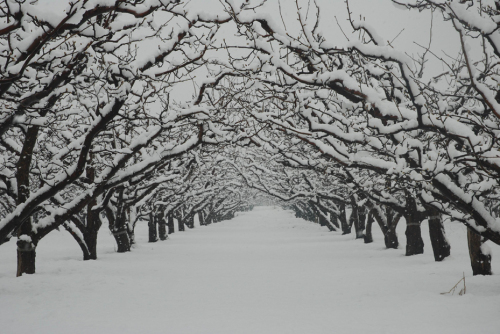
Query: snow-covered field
[[262, 272]]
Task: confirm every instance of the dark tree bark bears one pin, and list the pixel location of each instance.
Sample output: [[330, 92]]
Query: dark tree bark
[[153, 235], [359, 223], [391, 238], [162, 225], [330, 227], [26, 249], [322, 212], [118, 225], [25, 258], [122, 240], [208, 219], [201, 217], [190, 220], [229, 215], [324, 221], [180, 221], [357, 218], [390, 235], [310, 214], [307, 213], [440, 245], [121, 235], [90, 234], [26, 252], [368, 232], [93, 223], [312, 217], [414, 241], [301, 214], [346, 228], [321, 218], [334, 221], [79, 241], [388, 221], [298, 212], [131, 232], [170, 222], [480, 262], [162, 231]]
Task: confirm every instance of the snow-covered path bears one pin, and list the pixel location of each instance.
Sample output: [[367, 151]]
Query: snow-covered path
[[263, 272]]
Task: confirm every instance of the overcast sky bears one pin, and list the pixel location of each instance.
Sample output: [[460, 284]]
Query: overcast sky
[[402, 27], [383, 15]]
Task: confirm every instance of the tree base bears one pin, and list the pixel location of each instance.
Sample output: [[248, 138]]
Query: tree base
[[26, 256], [414, 242], [479, 259]]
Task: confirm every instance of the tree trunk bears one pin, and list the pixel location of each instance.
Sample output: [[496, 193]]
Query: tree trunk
[[309, 214], [322, 220], [391, 237], [162, 231], [162, 226], [208, 219], [153, 236], [353, 220], [346, 229], [130, 227], [131, 234], [359, 223], [334, 221], [388, 223], [298, 213], [201, 217], [229, 215], [368, 232], [358, 217], [414, 242], [181, 227], [122, 241], [78, 238], [440, 245], [93, 223], [26, 252], [26, 255], [118, 226], [190, 221], [330, 227], [170, 223], [480, 258], [90, 237]]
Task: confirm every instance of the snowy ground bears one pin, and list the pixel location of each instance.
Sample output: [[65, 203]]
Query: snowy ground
[[263, 272]]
